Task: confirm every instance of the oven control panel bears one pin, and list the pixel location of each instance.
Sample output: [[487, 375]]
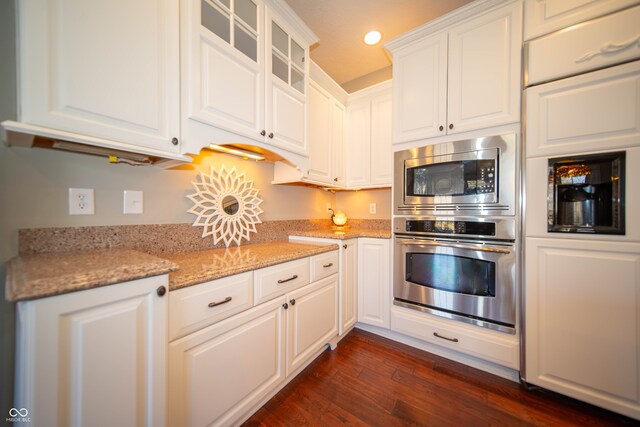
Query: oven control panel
[[486, 182], [450, 227]]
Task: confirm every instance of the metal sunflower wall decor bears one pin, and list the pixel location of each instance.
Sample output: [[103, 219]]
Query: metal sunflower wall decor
[[226, 204]]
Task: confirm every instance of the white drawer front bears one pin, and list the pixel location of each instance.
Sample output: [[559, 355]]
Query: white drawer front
[[324, 265], [605, 41], [495, 347], [271, 282], [201, 305]]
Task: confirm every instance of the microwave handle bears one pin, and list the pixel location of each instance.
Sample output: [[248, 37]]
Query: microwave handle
[[454, 245]]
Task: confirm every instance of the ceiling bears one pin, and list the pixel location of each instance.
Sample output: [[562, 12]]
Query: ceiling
[[341, 25]]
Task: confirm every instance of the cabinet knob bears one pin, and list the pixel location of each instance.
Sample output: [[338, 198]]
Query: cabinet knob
[[263, 132], [344, 246], [441, 128], [161, 291], [335, 179], [450, 125], [285, 305], [270, 135], [174, 141], [292, 302]]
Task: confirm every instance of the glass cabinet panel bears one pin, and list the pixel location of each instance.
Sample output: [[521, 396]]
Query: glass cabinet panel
[[235, 22], [287, 58]]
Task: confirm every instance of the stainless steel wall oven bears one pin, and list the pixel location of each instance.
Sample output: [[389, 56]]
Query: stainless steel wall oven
[[462, 268]]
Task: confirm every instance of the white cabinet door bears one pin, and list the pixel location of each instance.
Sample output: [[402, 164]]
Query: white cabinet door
[[223, 63], [286, 76], [337, 138], [583, 320], [312, 320], [374, 281], [95, 357], [544, 16], [219, 373], [358, 143], [484, 70], [594, 111], [381, 153], [348, 285], [108, 70], [320, 134], [420, 90]]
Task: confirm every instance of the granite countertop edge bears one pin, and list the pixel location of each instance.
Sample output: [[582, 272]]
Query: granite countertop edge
[[344, 234], [33, 277], [184, 278]]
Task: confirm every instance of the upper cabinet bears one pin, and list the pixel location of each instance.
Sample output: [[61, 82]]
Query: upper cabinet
[[99, 73], [244, 74], [458, 74], [368, 154]]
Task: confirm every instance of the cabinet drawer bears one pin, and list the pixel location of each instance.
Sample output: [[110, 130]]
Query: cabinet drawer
[[324, 265], [201, 305], [271, 282], [610, 40], [495, 347]]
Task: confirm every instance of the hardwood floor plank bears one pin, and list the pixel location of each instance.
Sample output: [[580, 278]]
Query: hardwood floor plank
[[372, 381]]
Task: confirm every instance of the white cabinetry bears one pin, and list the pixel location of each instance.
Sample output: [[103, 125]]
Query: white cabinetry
[[583, 320], [221, 372], [348, 285], [244, 73], [374, 281], [95, 357], [312, 320], [368, 154], [100, 73], [544, 16], [454, 76]]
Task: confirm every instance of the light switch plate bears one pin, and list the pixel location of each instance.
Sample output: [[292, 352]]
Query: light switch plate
[[133, 202]]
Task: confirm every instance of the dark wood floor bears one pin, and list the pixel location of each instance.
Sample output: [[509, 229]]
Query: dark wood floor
[[369, 380]]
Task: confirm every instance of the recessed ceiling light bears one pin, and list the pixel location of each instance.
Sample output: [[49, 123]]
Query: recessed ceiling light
[[372, 37]]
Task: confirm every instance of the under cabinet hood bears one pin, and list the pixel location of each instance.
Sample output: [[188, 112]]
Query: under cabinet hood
[[25, 135]]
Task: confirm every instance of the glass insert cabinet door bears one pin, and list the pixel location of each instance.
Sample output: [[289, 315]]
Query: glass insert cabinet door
[[287, 58], [235, 22]]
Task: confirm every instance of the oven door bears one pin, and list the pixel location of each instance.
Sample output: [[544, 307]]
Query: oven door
[[461, 178], [469, 281]]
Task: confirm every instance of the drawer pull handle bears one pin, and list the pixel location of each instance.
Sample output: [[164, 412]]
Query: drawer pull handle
[[328, 265], [435, 334], [294, 277], [224, 301], [609, 48]]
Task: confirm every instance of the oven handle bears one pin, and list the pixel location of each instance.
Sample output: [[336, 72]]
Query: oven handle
[[454, 245]]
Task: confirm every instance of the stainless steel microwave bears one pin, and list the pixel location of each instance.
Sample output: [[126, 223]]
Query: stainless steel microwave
[[475, 176]]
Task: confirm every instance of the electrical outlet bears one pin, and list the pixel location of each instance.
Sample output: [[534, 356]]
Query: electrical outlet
[[133, 202], [372, 208], [81, 201], [328, 207]]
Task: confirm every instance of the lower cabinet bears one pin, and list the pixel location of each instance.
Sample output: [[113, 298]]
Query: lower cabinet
[[374, 281], [582, 329], [94, 357], [348, 285], [219, 374]]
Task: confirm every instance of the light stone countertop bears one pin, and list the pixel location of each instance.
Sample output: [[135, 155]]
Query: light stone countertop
[[344, 233], [44, 275], [49, 274], [203, 266]]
